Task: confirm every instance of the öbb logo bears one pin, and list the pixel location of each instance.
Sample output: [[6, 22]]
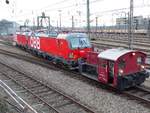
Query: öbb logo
[[35, 42]]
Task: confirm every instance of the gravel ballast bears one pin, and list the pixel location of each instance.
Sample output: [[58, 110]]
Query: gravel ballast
[[101, 100], [14, 49]]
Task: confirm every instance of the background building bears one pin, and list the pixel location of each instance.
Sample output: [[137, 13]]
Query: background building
[[138, 22], [8, 27]]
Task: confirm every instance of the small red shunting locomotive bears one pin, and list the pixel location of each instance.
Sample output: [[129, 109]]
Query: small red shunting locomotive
[[120, 68]]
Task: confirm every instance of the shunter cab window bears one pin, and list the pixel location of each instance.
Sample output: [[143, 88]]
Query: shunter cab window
[[103, 64], [111, 68], [122, 64], [140, 60]]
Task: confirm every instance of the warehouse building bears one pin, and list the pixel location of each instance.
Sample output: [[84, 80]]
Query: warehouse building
[[8, 27]]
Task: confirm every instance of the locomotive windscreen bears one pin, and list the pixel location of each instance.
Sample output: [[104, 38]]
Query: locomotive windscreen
[[79, 41]]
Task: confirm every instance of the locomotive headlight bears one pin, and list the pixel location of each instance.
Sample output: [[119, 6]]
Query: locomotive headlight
[[133, 54], [120, 71], [71, 55], [142, 67]]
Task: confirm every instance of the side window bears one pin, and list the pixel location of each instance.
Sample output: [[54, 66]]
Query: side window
[[111, 68], [122, 64], [140, 60], [103, 64]]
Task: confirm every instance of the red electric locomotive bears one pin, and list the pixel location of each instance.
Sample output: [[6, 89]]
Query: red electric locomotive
[[120, 68], [66, 48], [22, 37]]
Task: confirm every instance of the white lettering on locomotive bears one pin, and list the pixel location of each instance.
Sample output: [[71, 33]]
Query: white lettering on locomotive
[[31, 41], [35, 42], [38, 43]]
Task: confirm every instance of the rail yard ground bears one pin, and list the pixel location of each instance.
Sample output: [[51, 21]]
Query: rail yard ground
[[101, 100]]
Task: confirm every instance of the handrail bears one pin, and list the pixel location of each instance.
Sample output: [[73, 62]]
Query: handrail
[[24, 106]]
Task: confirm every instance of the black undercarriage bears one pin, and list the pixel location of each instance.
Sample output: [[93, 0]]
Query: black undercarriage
[[131, 80], [123, 82]]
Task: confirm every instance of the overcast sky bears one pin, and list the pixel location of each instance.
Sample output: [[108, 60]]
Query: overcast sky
[[20, 10]]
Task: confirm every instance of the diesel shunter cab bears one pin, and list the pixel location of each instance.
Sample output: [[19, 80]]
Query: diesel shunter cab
[[120, 68]]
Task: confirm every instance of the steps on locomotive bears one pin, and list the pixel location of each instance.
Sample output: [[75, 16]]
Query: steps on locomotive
[[89, 71]]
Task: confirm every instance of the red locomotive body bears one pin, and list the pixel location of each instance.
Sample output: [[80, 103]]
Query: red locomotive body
[[68, 48], [119, 68], [22, 39]]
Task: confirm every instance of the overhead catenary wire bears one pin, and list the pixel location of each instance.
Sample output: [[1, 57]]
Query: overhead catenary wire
[[95, 13], [56, 3], [121, 9], [74, 6], [49, 9]]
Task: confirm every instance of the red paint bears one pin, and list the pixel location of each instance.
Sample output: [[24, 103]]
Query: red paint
[[103, 71], [53, 46], [131, 65], [92, 58]]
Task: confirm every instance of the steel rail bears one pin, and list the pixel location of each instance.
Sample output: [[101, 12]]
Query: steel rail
[[140, 93], [111, 45], [15, 97], [86, 108]]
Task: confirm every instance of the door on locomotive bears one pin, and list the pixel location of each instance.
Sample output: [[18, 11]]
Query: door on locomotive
[[103, 70], [106, 71], [111, 71]]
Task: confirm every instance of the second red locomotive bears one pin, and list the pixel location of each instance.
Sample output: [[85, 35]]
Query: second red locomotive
[[120, 68]]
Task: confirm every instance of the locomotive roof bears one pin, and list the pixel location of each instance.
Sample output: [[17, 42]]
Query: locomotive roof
[[114, 54], [69, 35], [24, 33]]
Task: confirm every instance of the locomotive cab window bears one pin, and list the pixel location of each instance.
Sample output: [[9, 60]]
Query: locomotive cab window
[[111, 68], [140, 60], [121, 64], [79, 41], [103, 63]]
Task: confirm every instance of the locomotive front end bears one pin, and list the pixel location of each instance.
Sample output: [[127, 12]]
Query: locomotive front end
[[122, 68], [79, 45], [131, 70]]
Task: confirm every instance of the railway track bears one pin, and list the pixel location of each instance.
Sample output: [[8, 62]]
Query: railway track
[[43, 98], [32, 59], [44, 64], [139, 43], [139, 46], [121, 37], [112, 44], [14, 103], [140, 93]]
